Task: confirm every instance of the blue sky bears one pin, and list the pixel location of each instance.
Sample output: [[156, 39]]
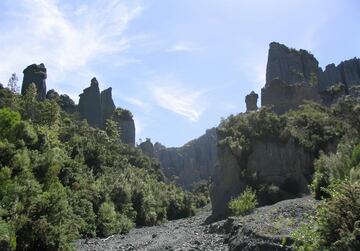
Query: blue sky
[[178, 65]]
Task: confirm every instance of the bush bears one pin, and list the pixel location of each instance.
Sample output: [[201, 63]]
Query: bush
[[336, 226], [109, 222], [339, 218], [243, 204]]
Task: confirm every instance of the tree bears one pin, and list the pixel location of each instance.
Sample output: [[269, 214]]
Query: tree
[[13, 83]]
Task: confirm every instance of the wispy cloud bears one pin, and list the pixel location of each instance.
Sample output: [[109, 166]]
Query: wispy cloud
[[183, 47], [145, 107], [172, 95], [65, 37]]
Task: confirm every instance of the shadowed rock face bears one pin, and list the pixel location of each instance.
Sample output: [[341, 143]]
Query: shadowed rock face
[[251, 101], [346, 73], [126, 124], [284, 165], [191, 163], [107, 105], [284, 97], [90, 104], [290, 65], [35, 74], [148, 148], [97, 107]]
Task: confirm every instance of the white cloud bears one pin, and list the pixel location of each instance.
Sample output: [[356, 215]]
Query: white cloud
[[44, 31], [171, 94], [183, 47]]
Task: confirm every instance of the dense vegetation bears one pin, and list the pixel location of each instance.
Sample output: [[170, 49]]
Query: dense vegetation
[[61, 179]]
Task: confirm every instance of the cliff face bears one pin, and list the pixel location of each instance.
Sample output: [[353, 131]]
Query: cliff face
[[107, 105], [191, 163], [284, 97], [347, 73], [126, 124], [290, 65], [35, 74], [97, 107], [285, 166]]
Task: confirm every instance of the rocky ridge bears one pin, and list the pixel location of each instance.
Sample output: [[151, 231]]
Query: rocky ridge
[[189, 164]]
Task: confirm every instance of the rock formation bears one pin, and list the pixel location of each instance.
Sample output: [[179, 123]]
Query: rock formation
[[127, 125], [90, 104], [346, 73], [97, 107], [285, 166], [251, 101], [290, 65], [35, 74], [284, 97], [191, 163], [148, 148], [293, 76], [107, 105]]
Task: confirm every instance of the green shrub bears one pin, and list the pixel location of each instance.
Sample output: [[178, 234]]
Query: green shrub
[[243, 204], [336, 226], [109, 222], [306, 237], [339, 218]]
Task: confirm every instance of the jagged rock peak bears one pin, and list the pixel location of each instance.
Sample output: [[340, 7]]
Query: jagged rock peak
[[290, 65], [36, 74], [251, 101], [148, 148], [94, 83], [90, 104]]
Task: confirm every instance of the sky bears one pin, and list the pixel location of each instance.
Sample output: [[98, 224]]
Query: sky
[[178, 65]]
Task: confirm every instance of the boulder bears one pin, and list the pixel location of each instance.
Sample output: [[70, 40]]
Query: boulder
[[251, 101], [35, 74]]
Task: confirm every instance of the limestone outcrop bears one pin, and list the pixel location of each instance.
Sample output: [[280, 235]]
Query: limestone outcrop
[[290, 65], [36, 74], [293, 76], [97, 107], [148, 148], [346, 73], [285, 166], [251, 101], [126, 124], [191, 163], [107, 105], [284, 97], [90, 104]]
